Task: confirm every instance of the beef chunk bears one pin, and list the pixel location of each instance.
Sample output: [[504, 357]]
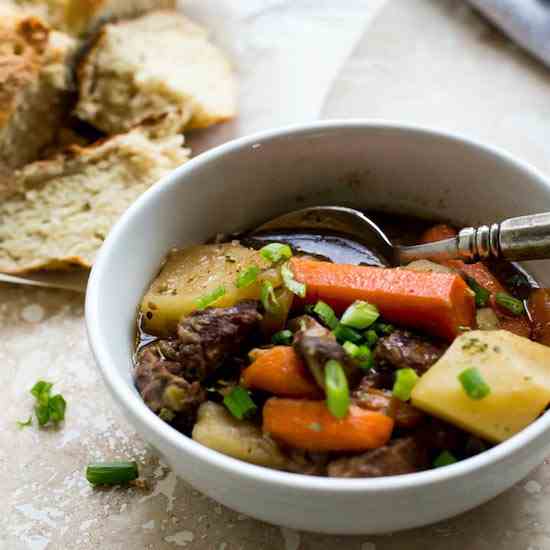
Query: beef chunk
[[207, 338], [379, 376], [306, 323], [474, 446], [164, 391], [316, 345], [403, 349], [169, 372], [404, 414], [438, 435], [400, 456]]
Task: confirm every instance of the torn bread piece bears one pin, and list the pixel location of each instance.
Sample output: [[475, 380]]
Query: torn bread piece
[[161, 67], [80, 17], [60, 210], [35, 89]]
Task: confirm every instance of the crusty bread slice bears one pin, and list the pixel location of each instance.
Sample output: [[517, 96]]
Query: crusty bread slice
[[34, 89], [159, 66], [60, 210], [80, 17]]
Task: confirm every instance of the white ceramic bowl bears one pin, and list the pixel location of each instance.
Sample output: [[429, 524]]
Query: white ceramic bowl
[[242, 183]]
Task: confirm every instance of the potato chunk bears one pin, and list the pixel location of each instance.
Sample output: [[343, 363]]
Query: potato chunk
[[195, 272], [218, 430], [516, 369], [429, 266]]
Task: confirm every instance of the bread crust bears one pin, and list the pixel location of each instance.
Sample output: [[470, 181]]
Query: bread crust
[[35, 91], [81, 17]]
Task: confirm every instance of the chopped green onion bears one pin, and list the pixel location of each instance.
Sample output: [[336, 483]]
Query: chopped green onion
[[247, 277], [326, 314], [282, 338], [365, 357], [275, 252], [239, 403], [405, 381], [445, 458], [24, 424], [482, 295], [351, 349], [337, 389], [371, 338], [268, 298], [344, 334], [41, 387], [291, 283], [48, 408], [42, 413], [473, 383], [57, 406], [383, 329], [513, 305], [360, 315], [362, 354], [204, 301], [112, 473]]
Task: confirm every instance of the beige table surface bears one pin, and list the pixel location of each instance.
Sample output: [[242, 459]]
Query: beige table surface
[[422, 61]]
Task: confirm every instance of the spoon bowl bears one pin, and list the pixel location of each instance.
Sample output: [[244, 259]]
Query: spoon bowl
[[344, 235]]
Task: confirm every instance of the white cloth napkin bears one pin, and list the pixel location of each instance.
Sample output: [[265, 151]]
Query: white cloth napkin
[[526, 21]]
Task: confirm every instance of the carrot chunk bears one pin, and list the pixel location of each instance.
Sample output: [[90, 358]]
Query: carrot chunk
[[439, 233], [280, 371], [309, 425], [437, 303]]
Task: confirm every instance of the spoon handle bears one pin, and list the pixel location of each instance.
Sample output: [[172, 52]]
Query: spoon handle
[[523, 238]]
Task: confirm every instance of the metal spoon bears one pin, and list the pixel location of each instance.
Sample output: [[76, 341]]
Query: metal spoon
[[523, 238]]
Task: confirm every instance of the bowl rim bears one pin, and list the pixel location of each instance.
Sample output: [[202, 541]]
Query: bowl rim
[[134, 406]]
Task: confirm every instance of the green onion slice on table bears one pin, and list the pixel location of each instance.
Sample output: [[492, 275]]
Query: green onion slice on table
[[112, 473], [48, 408]]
